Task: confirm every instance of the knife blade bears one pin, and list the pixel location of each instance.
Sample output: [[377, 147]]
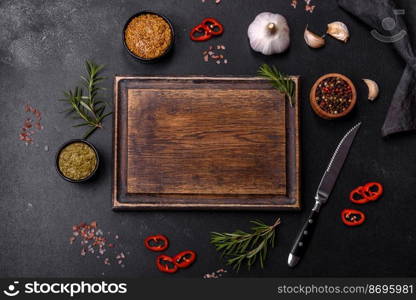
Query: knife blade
[[322, 194]]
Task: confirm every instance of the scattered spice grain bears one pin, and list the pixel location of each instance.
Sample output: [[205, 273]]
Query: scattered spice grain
[[216, 274], [94, 242], [216, 1], [215, 53], [308, 6], [148, 36], [29, 125], [294, 3]]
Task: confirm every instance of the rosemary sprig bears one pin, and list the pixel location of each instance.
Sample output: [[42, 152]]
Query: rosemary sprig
[[87, 106], [280, 81], [241, 247]]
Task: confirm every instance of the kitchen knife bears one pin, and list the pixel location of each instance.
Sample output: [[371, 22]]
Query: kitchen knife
[[324, 190]]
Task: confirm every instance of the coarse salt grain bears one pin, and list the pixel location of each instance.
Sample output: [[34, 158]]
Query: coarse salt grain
[[310, 8], [26, 131], [215, 275], [93, 241], [294, 3], [308, 5], [214, 53]]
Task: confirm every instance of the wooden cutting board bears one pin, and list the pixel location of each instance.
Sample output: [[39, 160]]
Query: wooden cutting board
[[204, 142]]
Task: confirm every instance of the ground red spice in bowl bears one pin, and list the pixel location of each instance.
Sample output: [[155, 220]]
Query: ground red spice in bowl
[[333, 96]]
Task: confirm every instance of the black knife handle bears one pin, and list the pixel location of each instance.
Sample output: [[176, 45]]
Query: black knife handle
[[303, 238]]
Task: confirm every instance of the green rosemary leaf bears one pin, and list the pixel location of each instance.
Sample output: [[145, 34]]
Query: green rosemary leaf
[[66, 111], [82, 124], [85, 106], [281, 82], [83, 103], [241, 247], [105, 115], [89, 132]]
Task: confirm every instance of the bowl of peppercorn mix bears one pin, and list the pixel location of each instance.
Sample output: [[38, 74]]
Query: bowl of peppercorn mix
[[333, 96], [148, 36]]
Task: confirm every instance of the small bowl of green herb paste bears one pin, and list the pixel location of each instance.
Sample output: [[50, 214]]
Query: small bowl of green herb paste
[[77, 161]]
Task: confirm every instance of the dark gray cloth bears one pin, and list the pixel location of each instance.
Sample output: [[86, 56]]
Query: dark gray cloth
[[379, 15]]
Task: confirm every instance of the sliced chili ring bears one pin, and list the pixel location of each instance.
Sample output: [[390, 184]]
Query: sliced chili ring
[[184, 259], [213, 25], [200, 33], [373, 190], [357, 196], [156, 243], [352, 217], [166, 264]]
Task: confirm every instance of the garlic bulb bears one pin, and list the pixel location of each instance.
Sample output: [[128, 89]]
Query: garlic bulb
[[269, 33], [339, 31], [313, 40]]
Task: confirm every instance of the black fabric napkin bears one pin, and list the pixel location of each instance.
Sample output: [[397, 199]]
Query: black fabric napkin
[[388, 24]]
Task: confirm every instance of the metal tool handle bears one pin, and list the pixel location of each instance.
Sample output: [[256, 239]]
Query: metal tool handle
[[303, 238]]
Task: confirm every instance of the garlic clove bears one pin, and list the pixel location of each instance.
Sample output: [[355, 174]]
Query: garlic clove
[[373, 89], [339, 31], [313, 40]]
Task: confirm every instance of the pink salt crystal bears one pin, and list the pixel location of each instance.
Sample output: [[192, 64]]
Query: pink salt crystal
[[294, 3], [310, 8]]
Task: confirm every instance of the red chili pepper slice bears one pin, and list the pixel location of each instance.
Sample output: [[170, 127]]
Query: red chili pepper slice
[[364, 194], [352, 217], [357, 196], [214, 26], [200, 33], [156, 242], [166, 264], [373, 190], [184, 259]]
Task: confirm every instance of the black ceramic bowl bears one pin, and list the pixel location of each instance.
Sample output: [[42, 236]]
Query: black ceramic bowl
[[168, 49], [71, 142]]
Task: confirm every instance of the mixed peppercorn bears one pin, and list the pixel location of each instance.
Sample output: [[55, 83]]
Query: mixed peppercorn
[[333, 95]]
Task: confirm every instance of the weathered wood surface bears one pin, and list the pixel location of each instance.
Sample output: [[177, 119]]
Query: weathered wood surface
[[201, 142]]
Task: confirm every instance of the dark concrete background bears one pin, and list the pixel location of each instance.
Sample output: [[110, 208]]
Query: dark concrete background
[[43, 45]]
